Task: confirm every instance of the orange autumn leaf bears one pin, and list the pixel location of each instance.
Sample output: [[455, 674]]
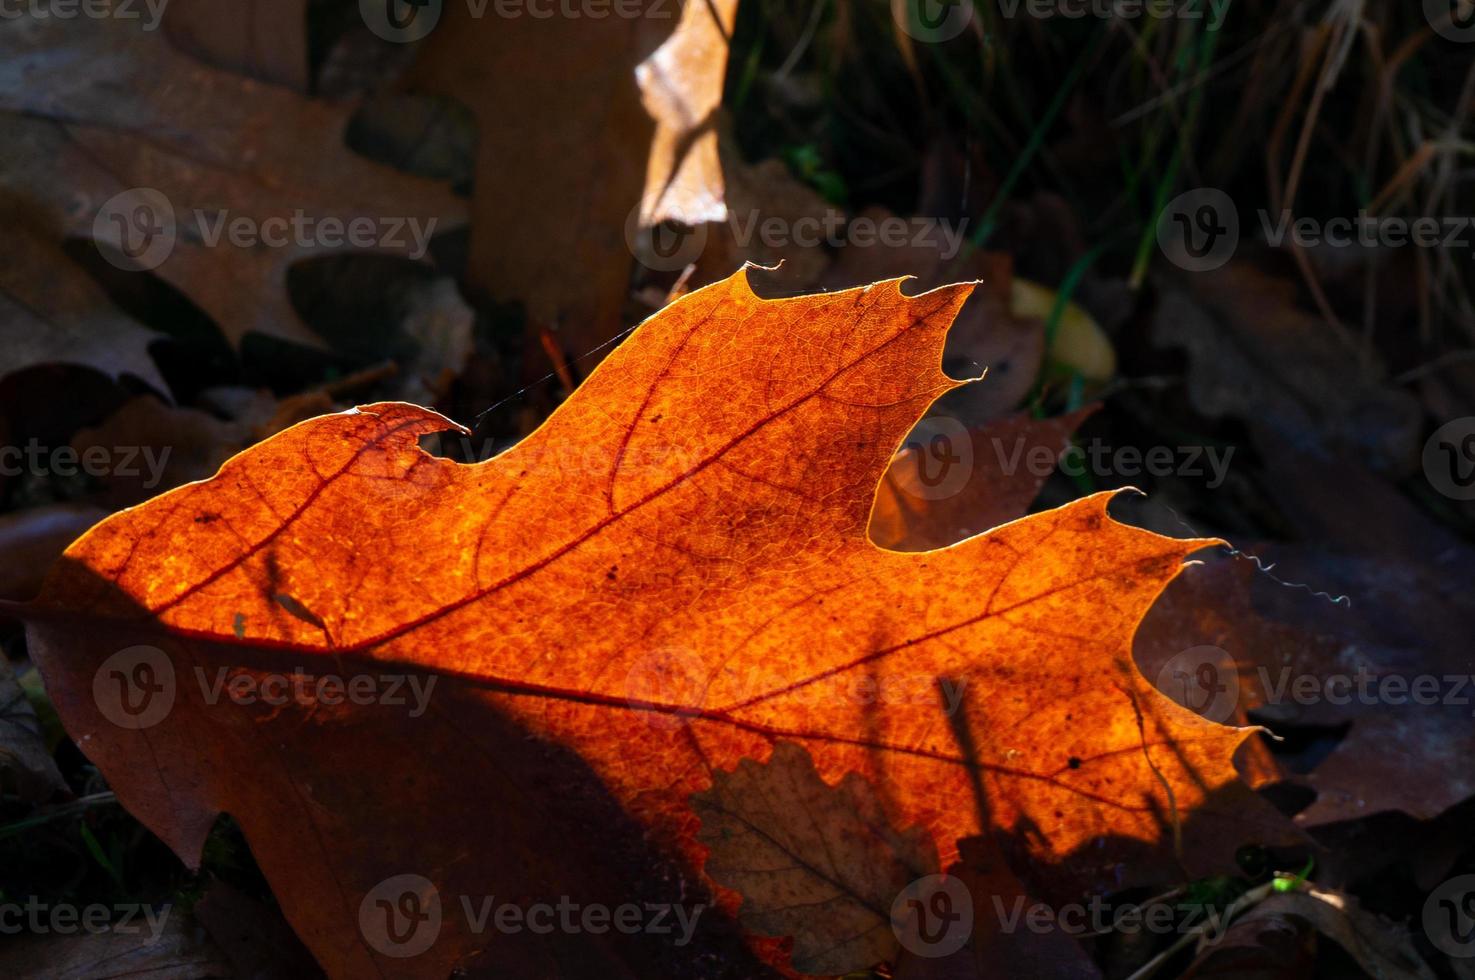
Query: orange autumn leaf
[[671, 575]]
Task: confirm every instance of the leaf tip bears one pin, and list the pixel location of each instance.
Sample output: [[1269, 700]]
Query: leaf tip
[[401, 416], [1105, 498]]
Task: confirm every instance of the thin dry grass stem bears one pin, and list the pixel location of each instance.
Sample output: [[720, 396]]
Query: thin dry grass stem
[[1441, 184], [1334, 36]]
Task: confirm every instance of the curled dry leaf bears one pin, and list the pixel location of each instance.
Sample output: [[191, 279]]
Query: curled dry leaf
[[670, 576], [590, 128], [681, 87], [1276, 938]]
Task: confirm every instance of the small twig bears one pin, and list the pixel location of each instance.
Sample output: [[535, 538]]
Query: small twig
[[1281, 883], [1250, 898]]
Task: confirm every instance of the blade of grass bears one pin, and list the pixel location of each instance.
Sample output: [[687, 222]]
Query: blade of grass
[[72, 809], [1208, 41], [989, 222]]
